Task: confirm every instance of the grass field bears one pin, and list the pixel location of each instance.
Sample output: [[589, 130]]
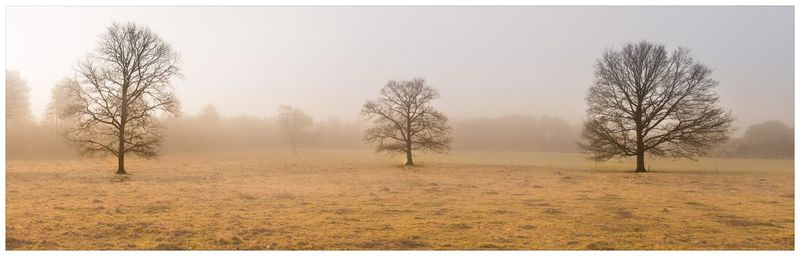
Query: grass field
[[325, 199]]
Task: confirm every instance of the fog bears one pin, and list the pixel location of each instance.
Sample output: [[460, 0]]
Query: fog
[[213, 132], [486, 61], [510, 78]]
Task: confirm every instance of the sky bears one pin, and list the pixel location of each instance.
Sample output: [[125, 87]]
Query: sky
[[485, 61]]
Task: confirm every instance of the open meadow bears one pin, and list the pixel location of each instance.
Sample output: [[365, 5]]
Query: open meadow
[[356, 199]]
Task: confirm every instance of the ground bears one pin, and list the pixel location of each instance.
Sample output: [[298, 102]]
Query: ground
[[356, 199]]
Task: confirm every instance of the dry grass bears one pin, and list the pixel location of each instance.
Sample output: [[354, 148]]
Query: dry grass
[[360, 200]]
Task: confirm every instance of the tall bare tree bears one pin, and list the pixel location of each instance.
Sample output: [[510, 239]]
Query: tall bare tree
[[404, 120], [124, 87], [646, 99], [292, 122]]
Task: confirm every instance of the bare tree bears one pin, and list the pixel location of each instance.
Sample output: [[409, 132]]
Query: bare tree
[[645, 99], [209, 114], [292, 122], [404, 120], [123, 89], [18, 108]]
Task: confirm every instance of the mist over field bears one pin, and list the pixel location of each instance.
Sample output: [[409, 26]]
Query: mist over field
[[202, 133]]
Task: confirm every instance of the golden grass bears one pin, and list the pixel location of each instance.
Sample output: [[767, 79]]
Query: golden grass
[[360, 200]]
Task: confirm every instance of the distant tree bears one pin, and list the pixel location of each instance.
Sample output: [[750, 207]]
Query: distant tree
[[20, 128], [771, 139], [210, 114], [292, 122], [62, 102], [404, 120], [123, 88], [645, 99], [18, 107]]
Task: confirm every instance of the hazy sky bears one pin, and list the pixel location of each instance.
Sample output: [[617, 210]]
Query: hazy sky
[[486, 61]]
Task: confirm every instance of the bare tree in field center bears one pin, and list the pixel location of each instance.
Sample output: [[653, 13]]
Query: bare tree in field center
[[123, 88], [404, 120], [645, 99]]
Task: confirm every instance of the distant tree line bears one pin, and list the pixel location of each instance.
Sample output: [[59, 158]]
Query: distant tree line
[[211, 131], [771, 139], [515, 132], [25, 137]]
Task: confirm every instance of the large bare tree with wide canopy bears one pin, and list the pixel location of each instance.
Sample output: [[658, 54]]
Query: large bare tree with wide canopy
[[646, 99], [124, 88], [404, 120]]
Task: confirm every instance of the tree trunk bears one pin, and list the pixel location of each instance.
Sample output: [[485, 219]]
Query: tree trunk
[[409, 161], [122, 121], [640, 161], [639, 141], [121, 155], [121, 164]]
